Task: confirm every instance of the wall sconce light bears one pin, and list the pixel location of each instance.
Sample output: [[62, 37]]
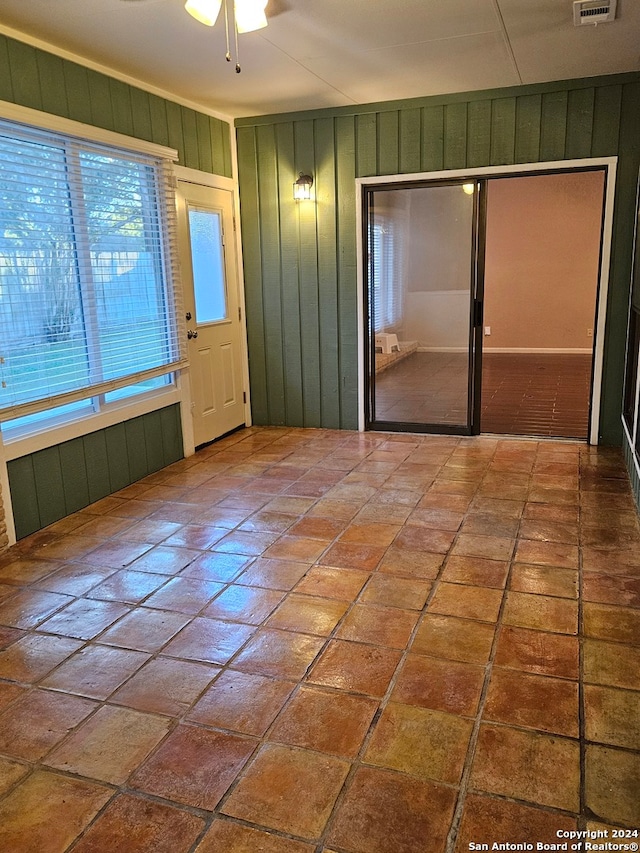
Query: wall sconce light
[[302, 187], [469, 189]]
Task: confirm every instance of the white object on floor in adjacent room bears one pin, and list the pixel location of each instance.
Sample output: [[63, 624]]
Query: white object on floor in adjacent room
[[387, 343]]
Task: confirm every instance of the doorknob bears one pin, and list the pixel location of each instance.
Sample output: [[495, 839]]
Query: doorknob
[[191, 334]]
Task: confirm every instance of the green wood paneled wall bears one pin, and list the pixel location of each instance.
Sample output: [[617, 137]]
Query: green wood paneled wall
[[49, 484], [300, 261], [40, 80]]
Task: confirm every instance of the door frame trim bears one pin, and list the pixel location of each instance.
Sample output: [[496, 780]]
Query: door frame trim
[[217, 182], [609, 164]]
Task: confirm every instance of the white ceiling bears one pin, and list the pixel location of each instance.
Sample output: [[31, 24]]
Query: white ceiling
[[321, 53]]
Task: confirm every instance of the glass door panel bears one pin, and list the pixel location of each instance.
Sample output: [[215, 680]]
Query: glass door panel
[[207, 260], [421, 284]]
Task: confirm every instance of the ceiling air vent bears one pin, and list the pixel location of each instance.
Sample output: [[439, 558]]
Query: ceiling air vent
[[593, 11]]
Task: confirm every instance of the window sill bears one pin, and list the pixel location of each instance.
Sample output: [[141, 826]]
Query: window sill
[[51, 435]]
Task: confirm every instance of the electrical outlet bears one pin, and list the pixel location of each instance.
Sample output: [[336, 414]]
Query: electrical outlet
[[487, 331], [589, 333]]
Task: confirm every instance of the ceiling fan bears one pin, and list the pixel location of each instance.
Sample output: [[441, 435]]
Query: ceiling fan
[[248, 16]]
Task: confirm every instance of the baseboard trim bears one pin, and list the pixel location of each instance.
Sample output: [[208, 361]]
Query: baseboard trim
[[515, 350], [443, 349], [540, 350]]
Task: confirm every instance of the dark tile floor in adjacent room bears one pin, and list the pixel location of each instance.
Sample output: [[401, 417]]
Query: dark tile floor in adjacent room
[[300, 641], [541, 394], [536, 394]]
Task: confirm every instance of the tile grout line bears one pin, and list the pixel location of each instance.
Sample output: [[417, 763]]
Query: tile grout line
[[100, 704], [263, 739], [582, 818], [475, 733], [357, 762]]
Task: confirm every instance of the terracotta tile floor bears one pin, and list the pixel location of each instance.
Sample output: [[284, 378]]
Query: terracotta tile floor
[[304, 641]]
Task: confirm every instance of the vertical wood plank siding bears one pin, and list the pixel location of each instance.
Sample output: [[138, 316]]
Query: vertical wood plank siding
[[329, 313], [290, 302], [300, 259], [49, 484], [34, 78]]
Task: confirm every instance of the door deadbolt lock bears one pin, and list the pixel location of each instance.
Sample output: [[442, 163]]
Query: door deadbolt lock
[[191, 334], [187, 316]]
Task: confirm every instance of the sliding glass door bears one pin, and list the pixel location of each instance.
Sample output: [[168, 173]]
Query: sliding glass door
[[423, 302]]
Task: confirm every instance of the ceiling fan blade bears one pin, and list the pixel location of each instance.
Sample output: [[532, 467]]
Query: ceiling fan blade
[[277, 7]]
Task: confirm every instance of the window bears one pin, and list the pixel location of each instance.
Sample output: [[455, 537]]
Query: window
[[386, 296], [59, 414], [86, 292]]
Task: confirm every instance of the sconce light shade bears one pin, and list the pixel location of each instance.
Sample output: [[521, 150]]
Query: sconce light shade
[[469, 189], [205, 11], [302, 187], [250, 15]]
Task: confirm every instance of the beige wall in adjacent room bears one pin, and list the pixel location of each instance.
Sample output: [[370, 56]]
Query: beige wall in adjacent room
[[542, 260], [439, 253]]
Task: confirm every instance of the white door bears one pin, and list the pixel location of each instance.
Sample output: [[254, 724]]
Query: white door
[[213, 314]]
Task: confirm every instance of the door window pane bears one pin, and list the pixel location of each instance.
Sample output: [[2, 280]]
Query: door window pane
[[207, 258]]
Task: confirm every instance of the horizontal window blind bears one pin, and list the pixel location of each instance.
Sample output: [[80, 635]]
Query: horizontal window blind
[[387, 283], [88, 302]]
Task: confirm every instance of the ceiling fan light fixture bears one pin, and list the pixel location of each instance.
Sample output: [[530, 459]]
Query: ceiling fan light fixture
[[250, 15], [205, 11]]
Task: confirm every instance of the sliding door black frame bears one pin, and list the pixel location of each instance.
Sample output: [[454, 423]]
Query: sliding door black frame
[[476, 289]]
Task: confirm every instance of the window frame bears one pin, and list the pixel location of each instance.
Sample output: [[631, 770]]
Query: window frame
[[98, 413], [103, 343]]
